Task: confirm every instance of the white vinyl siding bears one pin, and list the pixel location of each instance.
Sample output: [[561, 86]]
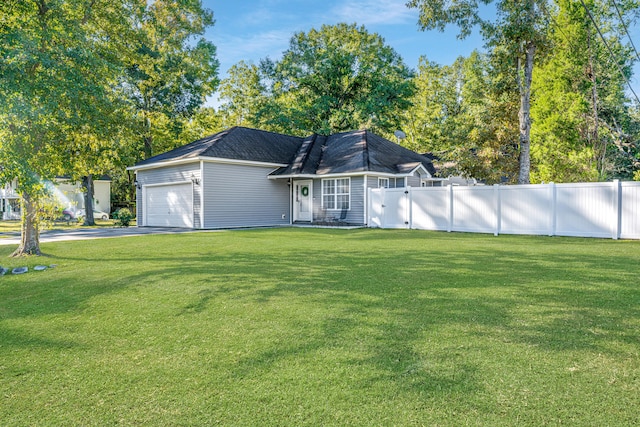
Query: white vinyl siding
[[336, 194], [243, 196]]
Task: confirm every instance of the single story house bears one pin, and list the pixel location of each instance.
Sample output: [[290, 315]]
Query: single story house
[[245, 177]]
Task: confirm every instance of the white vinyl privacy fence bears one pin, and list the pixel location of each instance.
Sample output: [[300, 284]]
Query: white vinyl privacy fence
[[604, 209]]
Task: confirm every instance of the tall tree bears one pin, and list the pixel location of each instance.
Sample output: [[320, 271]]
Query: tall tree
[[334, 79], [173, 71], [244, 95], [462, 113], [519, 32], [583, 122], [57, 61]]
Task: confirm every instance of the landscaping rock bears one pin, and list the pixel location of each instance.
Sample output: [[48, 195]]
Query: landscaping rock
[[19, 270], [40, 267]]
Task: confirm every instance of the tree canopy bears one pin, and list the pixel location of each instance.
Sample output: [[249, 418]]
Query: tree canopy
[[560, 66], [334, 79], [73, 72]]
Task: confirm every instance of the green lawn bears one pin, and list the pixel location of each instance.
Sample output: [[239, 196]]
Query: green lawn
[[292, 327]]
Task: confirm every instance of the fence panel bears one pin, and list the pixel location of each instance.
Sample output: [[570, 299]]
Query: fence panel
[[586, 210], [430, 208], [396, 208], [376, 208], [609, 209], [474, 209], [526, 209], [630, 210]]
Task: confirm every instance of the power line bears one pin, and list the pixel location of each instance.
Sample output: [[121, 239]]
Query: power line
[[610, 51], [559, 28], [626, 30]]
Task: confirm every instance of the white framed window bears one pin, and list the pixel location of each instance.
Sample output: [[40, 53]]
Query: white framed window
[[383, 182], [336, 194]]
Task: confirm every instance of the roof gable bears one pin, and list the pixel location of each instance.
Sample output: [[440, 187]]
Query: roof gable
[[353, 152]]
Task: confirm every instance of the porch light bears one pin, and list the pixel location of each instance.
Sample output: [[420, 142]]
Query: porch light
[[137, 184], [195, 180]]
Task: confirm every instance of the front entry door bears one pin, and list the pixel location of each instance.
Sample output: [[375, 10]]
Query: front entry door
[[302, 206]]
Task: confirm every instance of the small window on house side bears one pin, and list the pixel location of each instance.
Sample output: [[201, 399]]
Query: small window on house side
[[383, 182]]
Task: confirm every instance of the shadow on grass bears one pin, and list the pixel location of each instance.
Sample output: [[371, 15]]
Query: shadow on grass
[[388, 295], [534, 293]]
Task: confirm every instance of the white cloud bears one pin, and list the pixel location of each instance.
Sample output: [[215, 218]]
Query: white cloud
[[268, 43], [374, 12]]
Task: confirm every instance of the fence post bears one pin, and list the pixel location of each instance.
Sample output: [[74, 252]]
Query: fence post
[[410, 201], [496, 193], [553, 199], [450, 227], [617, 203], [369, 205], [383, 209]]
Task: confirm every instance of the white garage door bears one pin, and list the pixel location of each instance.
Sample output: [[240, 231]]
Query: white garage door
[[169, 205]]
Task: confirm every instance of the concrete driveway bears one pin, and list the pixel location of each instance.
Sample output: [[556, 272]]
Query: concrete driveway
[[93, 233]]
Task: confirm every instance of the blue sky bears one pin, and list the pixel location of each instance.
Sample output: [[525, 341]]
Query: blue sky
[[254, 29]]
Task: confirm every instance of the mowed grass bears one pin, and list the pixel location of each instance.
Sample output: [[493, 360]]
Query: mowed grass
[[290, 327]]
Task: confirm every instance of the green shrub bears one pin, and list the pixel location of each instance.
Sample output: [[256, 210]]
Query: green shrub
[[123, 217]]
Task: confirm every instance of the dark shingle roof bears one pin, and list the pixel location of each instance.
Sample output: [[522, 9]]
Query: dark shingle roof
[[238, 143], [342, 153], [352, 152]]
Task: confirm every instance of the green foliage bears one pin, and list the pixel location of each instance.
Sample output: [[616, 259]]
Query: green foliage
[[582, 117], [323, 327], [57, 65], [206, 121], [517, 36], [338, 78], [123, 217], [461, 113], [244, 95], [571, 112], [171, 73], [80, 80]]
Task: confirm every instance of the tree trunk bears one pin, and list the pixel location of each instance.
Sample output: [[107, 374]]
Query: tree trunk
[[148, 138], [524, 115], [87, 183], [30, 233], [148, 146], [599, 150]]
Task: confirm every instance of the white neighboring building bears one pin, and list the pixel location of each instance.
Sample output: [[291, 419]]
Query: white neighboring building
[[9, 202], [69, 195]]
